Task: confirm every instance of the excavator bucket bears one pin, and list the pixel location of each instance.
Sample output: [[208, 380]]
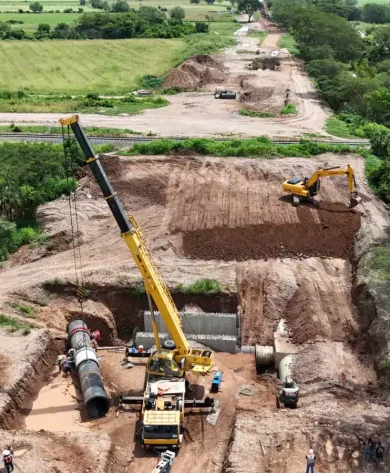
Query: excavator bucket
[[354, 201]]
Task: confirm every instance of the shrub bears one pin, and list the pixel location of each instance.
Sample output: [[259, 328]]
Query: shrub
[[201, 286], [151, 82], [254, 113], [289, 109]]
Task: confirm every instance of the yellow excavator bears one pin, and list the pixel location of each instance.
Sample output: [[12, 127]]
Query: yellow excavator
[[308, 187], [164, 400]]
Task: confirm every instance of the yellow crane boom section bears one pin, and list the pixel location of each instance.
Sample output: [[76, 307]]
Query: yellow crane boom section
[[199, 360], [156, 286]]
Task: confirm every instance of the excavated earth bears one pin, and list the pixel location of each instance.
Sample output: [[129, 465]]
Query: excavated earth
[[222, 218]]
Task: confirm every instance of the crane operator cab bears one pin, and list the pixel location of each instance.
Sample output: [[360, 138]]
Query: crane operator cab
[[162, 363]]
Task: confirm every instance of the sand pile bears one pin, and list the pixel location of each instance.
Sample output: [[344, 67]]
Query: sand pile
[[194, 73]]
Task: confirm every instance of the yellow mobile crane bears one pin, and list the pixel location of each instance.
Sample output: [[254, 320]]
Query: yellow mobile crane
[[164, 400], [308, 187]]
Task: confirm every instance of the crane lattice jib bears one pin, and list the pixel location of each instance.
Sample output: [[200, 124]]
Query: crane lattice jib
[[154, 283]]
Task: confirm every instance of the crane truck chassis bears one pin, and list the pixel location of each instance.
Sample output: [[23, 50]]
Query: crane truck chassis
[[164, 401]]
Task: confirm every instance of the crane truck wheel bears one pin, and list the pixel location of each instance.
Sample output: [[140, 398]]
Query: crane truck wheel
[[169, 344]]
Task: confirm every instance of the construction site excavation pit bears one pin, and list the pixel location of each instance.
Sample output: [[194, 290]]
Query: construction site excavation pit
[[223, 219]]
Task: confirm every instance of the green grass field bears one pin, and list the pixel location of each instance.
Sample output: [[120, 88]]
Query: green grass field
[[85, 66], [193, 12], [15, 5], [363, 2], [31, 21], [101, 66]]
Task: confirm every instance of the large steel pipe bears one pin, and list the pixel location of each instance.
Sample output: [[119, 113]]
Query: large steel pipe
[[95, 397]]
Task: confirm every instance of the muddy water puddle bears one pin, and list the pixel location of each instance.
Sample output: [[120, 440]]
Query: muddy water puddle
[[57, 407]]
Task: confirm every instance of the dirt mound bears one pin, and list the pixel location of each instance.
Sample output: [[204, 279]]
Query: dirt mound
[[334, 363], [256, 94], [194, 73], [330, 234]]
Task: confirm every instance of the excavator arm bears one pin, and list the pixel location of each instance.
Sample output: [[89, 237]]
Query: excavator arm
[[197, 360], [336, 171]]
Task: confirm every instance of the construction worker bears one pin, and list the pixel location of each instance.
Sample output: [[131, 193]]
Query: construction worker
[[379, 452], [60, 361], [367, 449], [311, 459], [95, 337], [8, 458]]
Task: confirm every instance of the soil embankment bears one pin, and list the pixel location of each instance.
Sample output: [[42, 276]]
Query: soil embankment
[[324, 232]]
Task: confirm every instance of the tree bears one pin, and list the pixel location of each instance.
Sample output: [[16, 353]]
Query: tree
[[97, 4], [210, 2], [15, 34], [325, 68], [201, 27], [36, 7], [375, 13], [177, 13], [82, 2], [195, 1], [379, 137], [378, 106], [43, 31], [7, 229], [120, 6], [313, 28], [9, 199], [248, 7], [4, 29], [106, 6]]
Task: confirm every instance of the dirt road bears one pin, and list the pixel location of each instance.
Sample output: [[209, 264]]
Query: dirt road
[[203, 116]]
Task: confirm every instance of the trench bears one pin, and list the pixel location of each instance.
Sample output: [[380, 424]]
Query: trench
[[127, 306], [27, 389]]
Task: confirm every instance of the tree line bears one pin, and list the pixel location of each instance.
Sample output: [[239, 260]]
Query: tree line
[[351, 70], [30, 175], [147, 22]]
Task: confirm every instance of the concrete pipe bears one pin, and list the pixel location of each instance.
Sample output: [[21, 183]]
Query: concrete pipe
[[285, 367], [95, 397], [264, 355]]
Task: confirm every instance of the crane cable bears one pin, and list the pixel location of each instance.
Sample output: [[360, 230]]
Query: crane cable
[[74, 222]]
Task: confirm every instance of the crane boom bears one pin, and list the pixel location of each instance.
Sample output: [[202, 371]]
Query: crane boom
[[197, 360]]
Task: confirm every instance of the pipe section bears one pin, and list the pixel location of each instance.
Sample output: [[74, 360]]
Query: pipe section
[[265, 355], [285, 367], [95, 397]]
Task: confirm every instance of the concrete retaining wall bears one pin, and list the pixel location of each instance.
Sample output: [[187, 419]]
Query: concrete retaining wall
[[198, 323], [223, 343]]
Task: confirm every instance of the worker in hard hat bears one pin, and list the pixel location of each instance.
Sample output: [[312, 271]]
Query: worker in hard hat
[[8, 458], [95, 337], [311, 459]]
